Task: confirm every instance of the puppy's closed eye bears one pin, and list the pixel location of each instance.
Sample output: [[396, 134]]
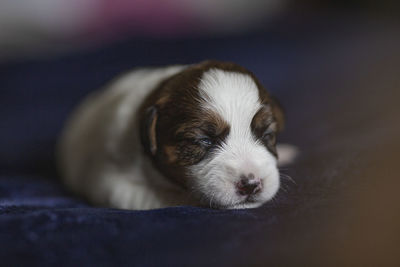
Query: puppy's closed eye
[[264, 127], [269, 137], [190, 152], [204, 141]]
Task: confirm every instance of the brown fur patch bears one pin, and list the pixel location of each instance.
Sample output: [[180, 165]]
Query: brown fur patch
[[181, 123], [264, 127], [152, 134], [170, 152]]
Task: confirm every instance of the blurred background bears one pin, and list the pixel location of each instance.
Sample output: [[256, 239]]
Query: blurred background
[[334, 65], [43, 27]]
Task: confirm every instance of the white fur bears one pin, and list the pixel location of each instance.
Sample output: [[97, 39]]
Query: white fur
[[95, 165], [234, 96]]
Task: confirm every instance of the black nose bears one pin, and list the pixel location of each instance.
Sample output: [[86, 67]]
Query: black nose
[[249, 185]]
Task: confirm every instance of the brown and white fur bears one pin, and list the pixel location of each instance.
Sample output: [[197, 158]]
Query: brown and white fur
[[202, 134]]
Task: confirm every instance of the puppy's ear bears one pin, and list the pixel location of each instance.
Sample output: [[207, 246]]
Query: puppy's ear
[[279, 113], [148, 130]]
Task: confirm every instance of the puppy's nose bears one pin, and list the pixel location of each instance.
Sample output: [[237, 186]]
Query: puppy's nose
[[249, 185]]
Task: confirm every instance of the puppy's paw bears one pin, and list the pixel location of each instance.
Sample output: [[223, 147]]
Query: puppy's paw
[[286, 154]]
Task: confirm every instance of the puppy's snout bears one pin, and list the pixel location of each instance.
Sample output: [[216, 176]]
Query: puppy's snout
[[249, 185]]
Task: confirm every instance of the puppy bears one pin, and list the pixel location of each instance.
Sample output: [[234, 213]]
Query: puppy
[[202, 134]]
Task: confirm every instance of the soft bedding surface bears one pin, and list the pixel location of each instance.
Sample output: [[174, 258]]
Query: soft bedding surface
[[339, 81]]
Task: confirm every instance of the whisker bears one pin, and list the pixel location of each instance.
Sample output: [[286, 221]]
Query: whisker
[[211, 199], [274, 201], [282, 175], [283, 169], [284, 189]]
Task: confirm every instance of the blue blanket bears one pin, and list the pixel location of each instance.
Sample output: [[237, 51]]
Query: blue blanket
[[338, 82]]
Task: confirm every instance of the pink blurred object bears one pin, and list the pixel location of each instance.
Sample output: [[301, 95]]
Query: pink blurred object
[[142, 16], [56, 24], [174, 17]]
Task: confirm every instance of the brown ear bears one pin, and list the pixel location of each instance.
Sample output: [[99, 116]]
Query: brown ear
[[278, 112], [148, 131]]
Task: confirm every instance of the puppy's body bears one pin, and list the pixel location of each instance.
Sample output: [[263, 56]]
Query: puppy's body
[[145, 142], [96, 162]]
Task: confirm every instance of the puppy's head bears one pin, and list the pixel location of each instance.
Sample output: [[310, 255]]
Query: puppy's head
[[212, 129]]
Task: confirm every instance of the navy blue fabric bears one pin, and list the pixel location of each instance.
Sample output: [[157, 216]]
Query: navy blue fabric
[[330, 76]]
